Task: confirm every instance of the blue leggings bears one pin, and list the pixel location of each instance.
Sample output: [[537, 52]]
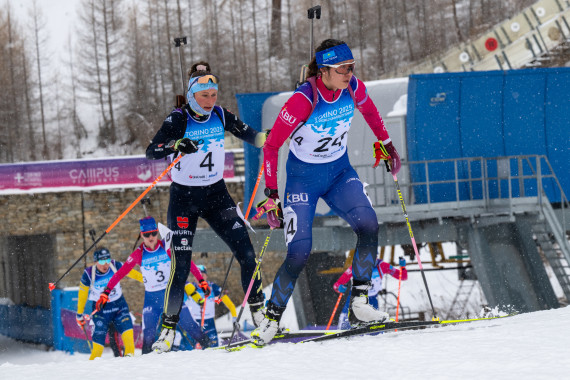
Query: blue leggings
[[339, 186], [152, 310], [209, 331], [116, 312]]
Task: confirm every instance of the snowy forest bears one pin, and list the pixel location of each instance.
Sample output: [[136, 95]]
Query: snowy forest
[[116, 77]]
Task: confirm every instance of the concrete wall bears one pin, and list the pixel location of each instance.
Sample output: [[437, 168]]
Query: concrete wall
[[67, 217]]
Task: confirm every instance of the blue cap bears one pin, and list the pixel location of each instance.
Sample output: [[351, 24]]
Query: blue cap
[[101, 254], [333, 55], [148, 224], [202, 268]]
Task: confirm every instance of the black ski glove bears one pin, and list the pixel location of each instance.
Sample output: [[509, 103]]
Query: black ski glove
[[184, 145]]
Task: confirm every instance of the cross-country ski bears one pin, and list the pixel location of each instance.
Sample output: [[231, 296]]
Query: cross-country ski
[[276, 189]]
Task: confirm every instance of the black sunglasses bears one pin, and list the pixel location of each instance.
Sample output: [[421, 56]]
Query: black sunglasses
[[149, 234]]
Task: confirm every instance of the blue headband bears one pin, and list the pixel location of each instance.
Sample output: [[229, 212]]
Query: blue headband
[[203, 86], [333, 55], [193, 87]]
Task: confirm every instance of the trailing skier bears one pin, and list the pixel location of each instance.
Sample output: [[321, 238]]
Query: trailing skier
[[380, 269], [154, 260], [209, 314], [317, 118], [114, 310]]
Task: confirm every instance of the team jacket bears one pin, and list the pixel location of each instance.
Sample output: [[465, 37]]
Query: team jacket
[[196, 310], [381, 268], [206, 166], [319, 135], [94, 282], [155, 267]]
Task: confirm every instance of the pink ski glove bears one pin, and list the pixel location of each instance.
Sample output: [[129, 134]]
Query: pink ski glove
[[387, 152], [271, 207]]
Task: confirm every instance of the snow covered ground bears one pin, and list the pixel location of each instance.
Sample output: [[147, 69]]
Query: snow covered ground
[[526, 346]]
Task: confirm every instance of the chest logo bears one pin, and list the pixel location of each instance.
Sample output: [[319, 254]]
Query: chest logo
[[182, 221]]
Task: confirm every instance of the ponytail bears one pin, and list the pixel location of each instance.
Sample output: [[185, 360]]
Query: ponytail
[[313, 68], [194, 69]]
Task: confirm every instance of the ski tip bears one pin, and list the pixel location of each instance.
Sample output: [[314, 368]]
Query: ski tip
[[51, 286], [235, 348]]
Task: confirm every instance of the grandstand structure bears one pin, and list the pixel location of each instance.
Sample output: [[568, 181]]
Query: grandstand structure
[[537, 36]]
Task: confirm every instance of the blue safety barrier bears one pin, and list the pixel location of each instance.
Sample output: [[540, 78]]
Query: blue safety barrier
[[27, 324]]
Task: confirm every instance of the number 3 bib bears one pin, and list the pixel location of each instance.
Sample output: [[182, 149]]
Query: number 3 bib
[[155, 268]]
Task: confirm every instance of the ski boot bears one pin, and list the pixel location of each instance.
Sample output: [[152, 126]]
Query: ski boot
[[269, 325], [256, 308], [166, 339], [360, 311], [203, 343]]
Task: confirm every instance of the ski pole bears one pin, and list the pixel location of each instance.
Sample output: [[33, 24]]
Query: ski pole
[[203, 313], [219, 299], [184, 335], [399, 287], [259, 175], [435, 318], [255, 273], [87, 338], [140, 333], [52, 285], [334, 310]]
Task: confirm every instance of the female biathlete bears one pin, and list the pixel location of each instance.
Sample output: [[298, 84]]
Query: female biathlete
[[198, 190], [318, 167]]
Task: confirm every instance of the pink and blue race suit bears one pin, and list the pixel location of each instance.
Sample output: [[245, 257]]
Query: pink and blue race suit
[[155, 267], [380, 269], [318, 167]]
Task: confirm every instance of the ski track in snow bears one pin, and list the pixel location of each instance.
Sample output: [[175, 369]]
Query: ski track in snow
[[527, 346]]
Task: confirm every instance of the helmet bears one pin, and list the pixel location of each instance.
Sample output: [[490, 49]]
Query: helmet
[[101, 254]]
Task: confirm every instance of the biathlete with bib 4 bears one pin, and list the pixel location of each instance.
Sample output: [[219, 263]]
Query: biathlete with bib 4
[[196, 131]]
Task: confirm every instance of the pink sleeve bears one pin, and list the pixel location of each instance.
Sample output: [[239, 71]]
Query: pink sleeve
[[168, 251], [134, 259], [388, 269], [370, 113], [344, 278], [195, 271], [294, 113]]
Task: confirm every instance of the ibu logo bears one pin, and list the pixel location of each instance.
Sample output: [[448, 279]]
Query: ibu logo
[[290, 119], [296, 198]]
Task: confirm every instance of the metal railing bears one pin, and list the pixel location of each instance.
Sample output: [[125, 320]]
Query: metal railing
[[490, 184]]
